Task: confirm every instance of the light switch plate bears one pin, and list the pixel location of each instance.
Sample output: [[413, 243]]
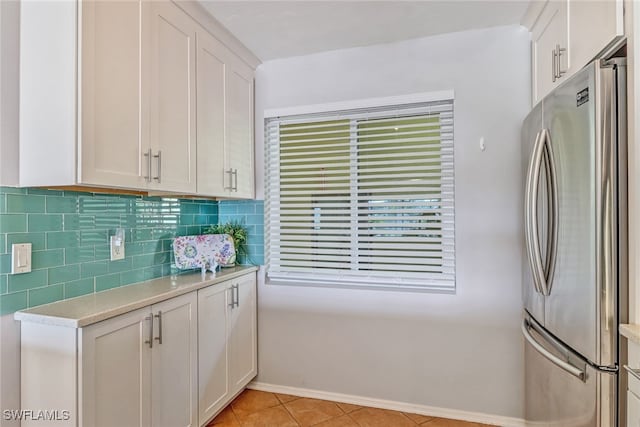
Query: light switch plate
[[117, 251], [20, 258]]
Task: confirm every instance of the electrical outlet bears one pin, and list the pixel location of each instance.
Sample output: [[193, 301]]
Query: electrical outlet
[[20, 258], [117, 248]]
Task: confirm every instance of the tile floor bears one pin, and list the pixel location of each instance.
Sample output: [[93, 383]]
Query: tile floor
[[257, 408]]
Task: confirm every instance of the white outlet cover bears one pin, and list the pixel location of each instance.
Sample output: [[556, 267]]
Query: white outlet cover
[[20, 258], [117, 251]]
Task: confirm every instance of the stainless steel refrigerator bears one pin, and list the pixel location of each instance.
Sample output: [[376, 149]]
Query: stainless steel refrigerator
[[574, 272]]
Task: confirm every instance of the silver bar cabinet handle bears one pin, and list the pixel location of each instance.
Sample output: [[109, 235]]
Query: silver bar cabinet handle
[[237, 295], [232, 304], [230, 172], [147, 178], [159, 316], [554, 75], [235, 181], [159, 157], [559, 51], [150, 340]]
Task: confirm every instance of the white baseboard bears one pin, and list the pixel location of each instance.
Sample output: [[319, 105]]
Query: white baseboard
[[431, 411]]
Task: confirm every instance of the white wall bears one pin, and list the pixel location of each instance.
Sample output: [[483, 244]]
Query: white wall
[[9, 329], [460, 351]]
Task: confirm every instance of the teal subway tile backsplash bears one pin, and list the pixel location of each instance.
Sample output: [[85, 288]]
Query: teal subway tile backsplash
[[46, 295], [65, 273], [22, 203], [22, 282], [69, 232], [37, 240], [13, 302], [108, 281], [40, 222], [76, 288], [62, 204], [251, 214], [13, 223], [47, 259]]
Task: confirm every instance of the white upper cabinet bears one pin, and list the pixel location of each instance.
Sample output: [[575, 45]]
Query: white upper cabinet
[[239, 130], [110, 95], [225, 121], [172, 98], [566, 35], [549, 45], [210, 58], [593, 26], [140, 97]]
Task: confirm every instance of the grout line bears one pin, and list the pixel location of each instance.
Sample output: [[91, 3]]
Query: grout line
[[407, 417], [353, 419], [295, 420]]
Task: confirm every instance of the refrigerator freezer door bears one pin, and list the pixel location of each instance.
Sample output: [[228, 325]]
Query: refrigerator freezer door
[[532, 299], [571, 309], [557, 398]]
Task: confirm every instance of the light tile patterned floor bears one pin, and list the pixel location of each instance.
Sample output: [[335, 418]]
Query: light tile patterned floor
[[258, 408]]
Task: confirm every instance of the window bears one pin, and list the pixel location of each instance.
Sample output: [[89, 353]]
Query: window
[[362, 197]]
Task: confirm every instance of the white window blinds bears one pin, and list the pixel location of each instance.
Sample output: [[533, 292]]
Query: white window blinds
[[362, 197]]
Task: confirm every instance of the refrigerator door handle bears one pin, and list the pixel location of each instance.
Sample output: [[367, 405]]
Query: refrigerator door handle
[[531, 209], [553, 214], [528, 214], [581, 374]]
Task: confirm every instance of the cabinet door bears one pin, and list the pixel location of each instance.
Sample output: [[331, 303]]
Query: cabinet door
[[210, 109], [174, 362], [115, 371], [109, 147], [550, 29], [243, 334], [172, 98], [594, 24], [633, 410], [239, 128], [213, 361]]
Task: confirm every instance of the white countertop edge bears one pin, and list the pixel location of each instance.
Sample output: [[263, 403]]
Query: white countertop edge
[[630, 331], [39, 313]]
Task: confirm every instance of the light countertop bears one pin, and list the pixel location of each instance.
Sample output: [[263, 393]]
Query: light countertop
[[92, 308], [631, 331]]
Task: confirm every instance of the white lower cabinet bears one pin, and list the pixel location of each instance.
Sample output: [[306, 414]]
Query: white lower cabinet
[[213, 360], [633, 410], [116, 362], [140, 368], [242, 333], [633, 384], [176, 363], [227, 337]]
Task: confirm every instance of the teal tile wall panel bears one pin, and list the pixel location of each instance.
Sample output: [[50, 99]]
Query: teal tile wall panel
[[69, 232], [251, 214]]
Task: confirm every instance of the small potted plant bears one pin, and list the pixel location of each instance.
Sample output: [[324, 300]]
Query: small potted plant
[[237, 231]]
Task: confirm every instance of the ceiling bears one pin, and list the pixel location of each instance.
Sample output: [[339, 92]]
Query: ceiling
[[279, 29]]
